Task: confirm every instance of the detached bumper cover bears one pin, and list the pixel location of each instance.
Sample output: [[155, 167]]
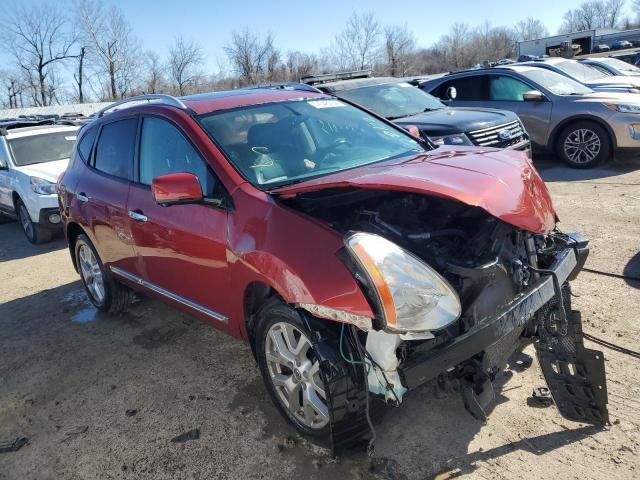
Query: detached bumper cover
[[426, 366]]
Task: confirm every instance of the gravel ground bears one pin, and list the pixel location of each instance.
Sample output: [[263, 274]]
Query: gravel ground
[[102, 397]]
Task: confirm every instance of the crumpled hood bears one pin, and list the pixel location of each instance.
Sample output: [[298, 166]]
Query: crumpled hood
[[502, 182], [48, 170]]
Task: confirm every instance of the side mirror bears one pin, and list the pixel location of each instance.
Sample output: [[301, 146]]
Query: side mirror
[[3, 165], [176, 188], [452, 93], [533, 96]]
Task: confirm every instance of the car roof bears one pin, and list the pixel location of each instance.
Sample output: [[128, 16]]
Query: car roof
[[39, 130], [516, 67], [352, 84], [210, 102]]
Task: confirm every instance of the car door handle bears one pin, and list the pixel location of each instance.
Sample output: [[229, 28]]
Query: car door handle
[[137, 216], [82, 197]]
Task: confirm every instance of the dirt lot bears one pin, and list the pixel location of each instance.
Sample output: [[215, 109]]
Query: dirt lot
[[102, 397]]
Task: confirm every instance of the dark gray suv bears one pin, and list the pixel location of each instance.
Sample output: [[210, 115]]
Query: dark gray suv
[[562, 116]]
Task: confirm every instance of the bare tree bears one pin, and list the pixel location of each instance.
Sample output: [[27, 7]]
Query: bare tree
[[13, 83], [301, 65], [39, 38], [399, 44], [250, 55], [185, 59], [612, 13], [358, 45], [569, 22], [530, 28], [593, 14], [154, 78], [113, 46], [79, 76]]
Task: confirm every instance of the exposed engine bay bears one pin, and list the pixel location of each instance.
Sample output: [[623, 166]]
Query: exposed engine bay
[[458, 241], [498, 271]]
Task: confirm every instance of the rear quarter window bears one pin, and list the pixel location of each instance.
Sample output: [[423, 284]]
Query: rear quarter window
[[86, 143], [115, 148]]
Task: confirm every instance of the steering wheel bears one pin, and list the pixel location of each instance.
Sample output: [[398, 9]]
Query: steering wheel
[[330, 152]]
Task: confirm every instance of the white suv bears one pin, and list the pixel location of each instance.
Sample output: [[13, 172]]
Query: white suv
[[31, 159]]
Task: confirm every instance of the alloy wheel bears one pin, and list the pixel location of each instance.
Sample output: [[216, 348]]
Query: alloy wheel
[[25, 221], [91, 273], [295, 374], [582, 146]]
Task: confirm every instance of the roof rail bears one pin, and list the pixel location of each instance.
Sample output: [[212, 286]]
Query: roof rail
[[284, 86], [151, 97], [332, 77]]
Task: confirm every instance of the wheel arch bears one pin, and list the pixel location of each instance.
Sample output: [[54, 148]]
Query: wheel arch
[[15, 196], [555, 133], [255, 295], [72, 232]]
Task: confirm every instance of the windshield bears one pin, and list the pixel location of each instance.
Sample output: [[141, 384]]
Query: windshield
[[581, 71], [41, 148], [556, 83], [620, 65], [393, 100], [287, 142]]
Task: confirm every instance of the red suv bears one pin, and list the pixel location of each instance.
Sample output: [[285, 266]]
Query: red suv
[[357, 260]]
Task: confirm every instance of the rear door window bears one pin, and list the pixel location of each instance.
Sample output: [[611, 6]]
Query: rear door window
[[115, 148], [474, 88]]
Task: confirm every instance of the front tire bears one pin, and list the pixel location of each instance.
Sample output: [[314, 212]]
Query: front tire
[[106, 294], [584, 144], [290, 369], [34, 232]]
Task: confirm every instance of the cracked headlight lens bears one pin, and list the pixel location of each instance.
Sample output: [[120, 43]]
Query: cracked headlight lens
[[42, 186], [413, 297]]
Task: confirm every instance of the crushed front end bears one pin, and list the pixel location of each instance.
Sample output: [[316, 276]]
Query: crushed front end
[[512, 287]]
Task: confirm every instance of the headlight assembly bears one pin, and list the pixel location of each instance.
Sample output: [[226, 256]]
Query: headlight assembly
[[42, 186], [623, 107], [457, 139], [412, 296]]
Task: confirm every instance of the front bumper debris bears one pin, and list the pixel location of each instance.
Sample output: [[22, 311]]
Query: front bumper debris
[[426, 366], [575, 375]]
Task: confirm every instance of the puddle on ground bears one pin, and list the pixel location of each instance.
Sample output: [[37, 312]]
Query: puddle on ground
[[85, 315], [78, 306]]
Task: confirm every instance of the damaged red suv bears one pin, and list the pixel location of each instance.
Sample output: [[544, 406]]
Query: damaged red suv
[[358, 261]]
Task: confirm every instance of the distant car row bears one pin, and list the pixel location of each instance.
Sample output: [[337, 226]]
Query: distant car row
[[565, 107], [617, 45]]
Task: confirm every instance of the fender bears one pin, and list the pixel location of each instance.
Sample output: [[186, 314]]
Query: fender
[[313, 272]]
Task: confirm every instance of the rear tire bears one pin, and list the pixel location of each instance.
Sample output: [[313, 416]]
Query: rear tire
[[34, 232], [583, 144], [105, 292]]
